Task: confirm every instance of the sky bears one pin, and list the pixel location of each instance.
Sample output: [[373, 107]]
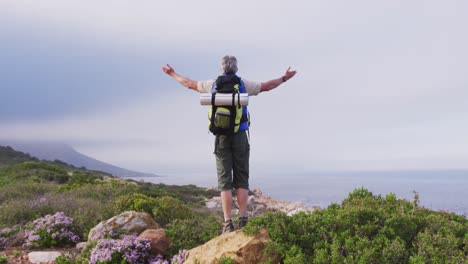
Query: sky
[[381, 85]]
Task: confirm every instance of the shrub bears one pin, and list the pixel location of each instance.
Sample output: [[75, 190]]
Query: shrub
[[51, 230], [159, 260], [5, 233], [64, 260], [3, 259], [79, 179], [36, 171], [163, 209], [191, 232], [177, 259], [136, 202], [127, 249], [367, 228], [169, 209]]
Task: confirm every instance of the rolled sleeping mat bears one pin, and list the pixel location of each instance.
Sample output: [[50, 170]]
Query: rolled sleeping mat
[[224, 99]]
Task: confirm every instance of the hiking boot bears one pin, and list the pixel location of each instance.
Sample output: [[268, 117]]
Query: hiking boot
[[228, 226], [243, 221]]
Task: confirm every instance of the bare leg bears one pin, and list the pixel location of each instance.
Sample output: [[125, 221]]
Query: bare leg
[[226, 200], [242, 196]]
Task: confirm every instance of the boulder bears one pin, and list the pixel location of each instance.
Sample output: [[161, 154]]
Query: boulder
[[159, 240], [43, 256], [297, 210], [235, 245], [130, 221]]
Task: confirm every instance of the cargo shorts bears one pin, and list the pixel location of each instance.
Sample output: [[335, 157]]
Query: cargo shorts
[[232, 161]]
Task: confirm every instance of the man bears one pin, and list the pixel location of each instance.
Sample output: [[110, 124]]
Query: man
[[232, 151]]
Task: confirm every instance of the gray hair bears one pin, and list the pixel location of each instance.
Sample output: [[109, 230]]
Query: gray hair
[[229, 64]]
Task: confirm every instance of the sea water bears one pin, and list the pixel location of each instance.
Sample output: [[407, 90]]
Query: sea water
[[437, 190]]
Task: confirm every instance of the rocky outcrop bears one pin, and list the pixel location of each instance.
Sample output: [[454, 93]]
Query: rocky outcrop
[[159, 241], [43, 256], [236, 246], [258, 204], [130, 221]]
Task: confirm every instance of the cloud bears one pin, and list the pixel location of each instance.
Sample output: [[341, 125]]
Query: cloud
[[380, 85]]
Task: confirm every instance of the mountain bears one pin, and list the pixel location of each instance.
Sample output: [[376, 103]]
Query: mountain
[[63, 152]]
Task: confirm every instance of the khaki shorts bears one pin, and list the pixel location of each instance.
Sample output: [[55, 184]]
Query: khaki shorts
[[232, 161]]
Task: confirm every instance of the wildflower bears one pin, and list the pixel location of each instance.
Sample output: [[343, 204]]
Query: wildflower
[[179, 258], [51, 230], [42, 200], [128, 248]]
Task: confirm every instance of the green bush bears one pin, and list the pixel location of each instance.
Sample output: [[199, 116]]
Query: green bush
[[36, 171], [64, 260], [136, 202], [191, 232], [169, 209], [3, 259], [78, 179], [85, 254], [367, 229]]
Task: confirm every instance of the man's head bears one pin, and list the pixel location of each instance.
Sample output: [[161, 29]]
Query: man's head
[[229, 64]]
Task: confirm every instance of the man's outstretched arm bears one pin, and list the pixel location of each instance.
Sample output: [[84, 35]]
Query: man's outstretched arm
[[272, 84], [191, 84]]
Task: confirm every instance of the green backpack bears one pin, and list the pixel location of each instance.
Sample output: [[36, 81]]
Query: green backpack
[[226, 120]]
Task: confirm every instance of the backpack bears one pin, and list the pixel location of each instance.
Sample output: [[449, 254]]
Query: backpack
[[227, 120]]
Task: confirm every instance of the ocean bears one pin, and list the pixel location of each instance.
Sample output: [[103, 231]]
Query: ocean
[[437, 190]]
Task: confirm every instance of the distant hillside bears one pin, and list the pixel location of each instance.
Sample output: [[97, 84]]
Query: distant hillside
[[8, 156], [63, 152]]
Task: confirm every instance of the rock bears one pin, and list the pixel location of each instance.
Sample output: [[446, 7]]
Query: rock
[[131, 221], [159, 240], [259, 204], [43, 256], [214, 203], [235, 245], [297, 210], [82, 245]]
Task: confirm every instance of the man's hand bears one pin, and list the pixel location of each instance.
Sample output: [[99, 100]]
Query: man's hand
[[289, 74], [168, 70], [272, 84], [191, 84]]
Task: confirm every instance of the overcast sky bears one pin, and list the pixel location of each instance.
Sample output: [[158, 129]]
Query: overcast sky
[[380, 84]]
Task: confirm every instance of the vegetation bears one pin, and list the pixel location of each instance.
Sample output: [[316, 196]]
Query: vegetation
[[364, 228], [191, 232], [30, 189], [8, 156], [51, 230], [367, 228]]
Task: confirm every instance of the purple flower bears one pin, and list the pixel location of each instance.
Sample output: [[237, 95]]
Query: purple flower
[[51, 229], [128, 248], [179, 258], [158, 260], [42, 200]]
